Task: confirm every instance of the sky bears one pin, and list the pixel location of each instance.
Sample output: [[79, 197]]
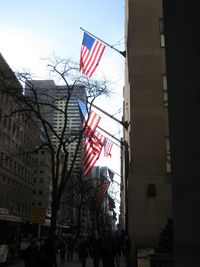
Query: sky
[[32, 31]]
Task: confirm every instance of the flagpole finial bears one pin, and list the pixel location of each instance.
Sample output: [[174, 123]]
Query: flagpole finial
[[123, 53]]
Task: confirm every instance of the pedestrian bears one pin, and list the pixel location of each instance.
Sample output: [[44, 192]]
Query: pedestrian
[[83, 251], [95, 249], [117, 246], [70, 247], [107, 251], [127, 250], [62, 248], [48, 254], [32, 254]]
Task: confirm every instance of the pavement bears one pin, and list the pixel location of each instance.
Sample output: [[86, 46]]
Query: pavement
[[74, 263], [89, 263]]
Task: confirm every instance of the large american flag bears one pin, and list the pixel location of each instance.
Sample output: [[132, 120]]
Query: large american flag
[[91, 52], [92, 150]]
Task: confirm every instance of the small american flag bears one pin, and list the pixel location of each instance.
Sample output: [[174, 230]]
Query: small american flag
[[107, 148], [104, 187], [91, 52]]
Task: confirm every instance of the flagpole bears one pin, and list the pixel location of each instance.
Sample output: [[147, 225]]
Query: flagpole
[[123, 53], [116, 173], [125, 124], [121, 142]]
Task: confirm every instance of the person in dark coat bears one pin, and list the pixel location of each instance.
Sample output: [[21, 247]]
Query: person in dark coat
[[62, 247], [83, 251], [117, 246], [95, 249], [48, 254], [70, 248], [107, 251], [127, 250], [32, 254]]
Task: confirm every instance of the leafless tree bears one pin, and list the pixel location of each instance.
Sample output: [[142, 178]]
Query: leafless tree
[[34, 103]]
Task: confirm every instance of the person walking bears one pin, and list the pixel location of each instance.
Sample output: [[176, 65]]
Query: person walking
[[117, 246], [95, 249], [83, 251], [107, 251], [32, 254], [127, 250], [48, 254], [70, 248], [62, 248]]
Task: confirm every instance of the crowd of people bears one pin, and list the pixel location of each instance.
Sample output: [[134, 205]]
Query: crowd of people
[[108, 248]]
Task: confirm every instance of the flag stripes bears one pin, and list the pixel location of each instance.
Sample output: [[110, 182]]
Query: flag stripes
[[92, 150], [104, 187], [91, 53], [107, 148], [90, 119], [91, 122]]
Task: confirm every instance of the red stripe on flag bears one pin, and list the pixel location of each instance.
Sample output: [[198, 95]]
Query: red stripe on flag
[[91, 53], [92, 150], [92, 122], [107, 148]]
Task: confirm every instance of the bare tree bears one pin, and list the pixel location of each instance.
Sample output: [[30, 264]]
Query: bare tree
[[36, 103]]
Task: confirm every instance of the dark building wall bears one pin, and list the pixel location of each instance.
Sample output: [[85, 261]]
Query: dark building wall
[[148, 187], [182, 28]]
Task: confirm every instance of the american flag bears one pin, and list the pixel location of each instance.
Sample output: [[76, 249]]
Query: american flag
[[92, 150], [104, 187], [91, 52], [107, 148], [90, 119], [111, 203]]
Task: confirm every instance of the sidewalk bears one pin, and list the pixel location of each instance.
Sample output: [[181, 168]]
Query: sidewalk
[[76, 263]]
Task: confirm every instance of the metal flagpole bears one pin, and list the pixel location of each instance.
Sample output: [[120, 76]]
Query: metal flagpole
[[121, 142], [123, 53], [125, 124]]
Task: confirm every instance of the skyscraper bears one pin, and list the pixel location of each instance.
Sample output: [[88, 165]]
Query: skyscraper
[[60, 110], [57, 113]]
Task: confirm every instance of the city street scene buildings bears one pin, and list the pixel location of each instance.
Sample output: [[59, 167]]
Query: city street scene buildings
[[51, 183]]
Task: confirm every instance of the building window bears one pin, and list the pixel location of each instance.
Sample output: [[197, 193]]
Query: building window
[[165, 91], [162, 36], [151, 190], [168, 155]]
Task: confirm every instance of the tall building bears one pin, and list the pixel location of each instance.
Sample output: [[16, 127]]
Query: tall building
[[16, 167], [58, 114], [55, 113], [147, 177]]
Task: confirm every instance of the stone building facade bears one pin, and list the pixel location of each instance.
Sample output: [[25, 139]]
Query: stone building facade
[[147, 173]]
